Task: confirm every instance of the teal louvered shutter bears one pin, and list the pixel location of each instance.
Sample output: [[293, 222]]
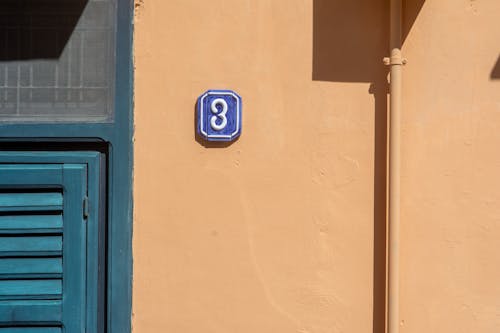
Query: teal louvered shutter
[[45, 257]]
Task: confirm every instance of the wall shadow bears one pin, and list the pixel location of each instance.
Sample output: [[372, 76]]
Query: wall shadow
[[411, 9], [350, 39], [34, 29], [495, 72]]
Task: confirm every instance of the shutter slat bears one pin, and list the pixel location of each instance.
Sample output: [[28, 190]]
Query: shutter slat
[[11, 202], [30, 311], [26, 174], [30, 289], [30, 330], [30, 246], [25, 268], [28, 224]]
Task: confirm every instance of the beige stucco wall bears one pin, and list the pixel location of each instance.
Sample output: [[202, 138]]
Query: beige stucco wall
[[283, 231], [451, 170]]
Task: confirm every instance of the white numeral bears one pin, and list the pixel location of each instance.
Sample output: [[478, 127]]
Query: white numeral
[[221, 115]]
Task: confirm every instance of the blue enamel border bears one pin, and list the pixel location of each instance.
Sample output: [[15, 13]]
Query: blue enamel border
[[118, 136], [199, 124]]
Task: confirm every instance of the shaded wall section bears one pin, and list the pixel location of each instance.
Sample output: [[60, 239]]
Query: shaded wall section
[[350, 40]]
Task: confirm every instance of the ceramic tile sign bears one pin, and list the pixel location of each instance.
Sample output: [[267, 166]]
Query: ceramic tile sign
[[219, 115]]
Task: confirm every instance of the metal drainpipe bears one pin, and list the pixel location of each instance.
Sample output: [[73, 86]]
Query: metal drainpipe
[[395, 62]]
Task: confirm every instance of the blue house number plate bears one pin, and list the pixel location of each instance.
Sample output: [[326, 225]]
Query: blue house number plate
[[219, 115]]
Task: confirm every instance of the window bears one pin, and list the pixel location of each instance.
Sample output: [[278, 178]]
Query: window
[[57, 60]]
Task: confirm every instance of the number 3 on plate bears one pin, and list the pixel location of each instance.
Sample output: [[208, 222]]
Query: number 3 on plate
[[221, 115]]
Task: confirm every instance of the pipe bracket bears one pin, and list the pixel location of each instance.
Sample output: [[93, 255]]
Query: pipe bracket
[[390, 61]]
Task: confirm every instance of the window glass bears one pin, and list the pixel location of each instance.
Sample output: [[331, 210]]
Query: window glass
[[57, 60]]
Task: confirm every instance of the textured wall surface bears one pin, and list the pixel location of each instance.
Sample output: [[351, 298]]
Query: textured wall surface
[[451, 170], [283, 230]]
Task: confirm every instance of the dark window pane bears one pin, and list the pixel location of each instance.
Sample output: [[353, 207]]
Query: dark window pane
[[57, 60]]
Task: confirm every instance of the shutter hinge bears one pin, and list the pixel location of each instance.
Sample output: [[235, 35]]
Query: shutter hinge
[[85, 207]]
